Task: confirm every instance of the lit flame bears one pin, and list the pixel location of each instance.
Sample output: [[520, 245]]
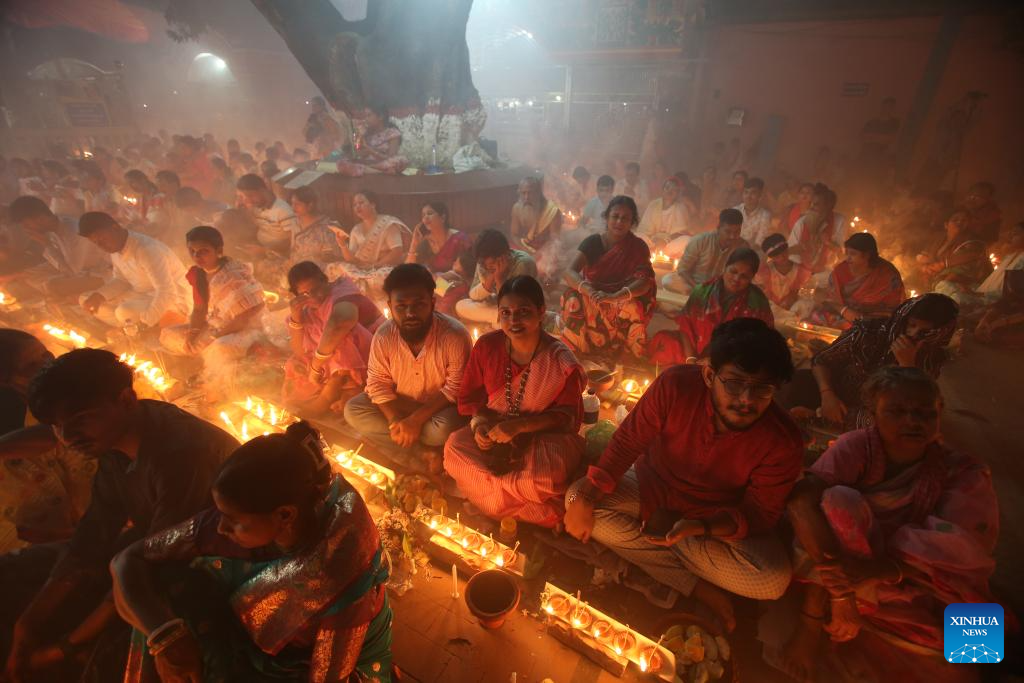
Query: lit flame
[[245, 432], [630, 386], [643, 663], [476, 334], [549, 609], [499, 560], [913, 293], [68, 335], [387, 313]]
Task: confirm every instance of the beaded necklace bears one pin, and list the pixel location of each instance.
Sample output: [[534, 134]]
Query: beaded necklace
[[513, 406]]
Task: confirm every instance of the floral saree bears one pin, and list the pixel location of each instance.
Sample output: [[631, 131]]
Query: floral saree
[[589, 326], [320, 614]]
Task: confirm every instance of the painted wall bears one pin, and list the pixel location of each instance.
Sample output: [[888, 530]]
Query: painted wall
[[797, 71]]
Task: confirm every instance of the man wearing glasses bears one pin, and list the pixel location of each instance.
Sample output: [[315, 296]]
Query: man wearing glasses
[[696, 478]]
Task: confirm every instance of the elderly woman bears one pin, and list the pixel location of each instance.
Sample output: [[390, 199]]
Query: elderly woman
[[891, 527], [287, 539], [375, 245], [960, 263], [915, 335], [523, 390], [331, 325], [375, 147], [439, 247], [613, 288], [315, 240], [730, 296], [865, 285]]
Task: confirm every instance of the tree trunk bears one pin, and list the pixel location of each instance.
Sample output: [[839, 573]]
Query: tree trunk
[[409, 56]]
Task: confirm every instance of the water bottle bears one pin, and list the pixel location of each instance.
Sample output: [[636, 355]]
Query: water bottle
[[591, 407]]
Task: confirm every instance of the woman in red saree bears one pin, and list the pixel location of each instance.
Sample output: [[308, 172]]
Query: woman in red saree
[[732, 295], [436, 245], [613, 288], [865, 285], [523, 390], [891, 526], [331, 325]]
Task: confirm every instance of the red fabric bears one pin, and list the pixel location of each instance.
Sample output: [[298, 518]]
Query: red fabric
[[790, 217], [485, 375], [665, 348], [877, 289], [196, 277], [683, 465], [627, 260]]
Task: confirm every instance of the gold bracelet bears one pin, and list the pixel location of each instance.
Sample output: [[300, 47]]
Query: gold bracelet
[[294, 325], [321, 356]]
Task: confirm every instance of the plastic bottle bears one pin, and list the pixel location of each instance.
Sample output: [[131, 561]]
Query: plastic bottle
[[591, 407], [508, 532], [620, 414]]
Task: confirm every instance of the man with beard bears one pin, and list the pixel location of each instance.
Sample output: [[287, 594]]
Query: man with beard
[[715, 459], [413, 376], [156, 464]]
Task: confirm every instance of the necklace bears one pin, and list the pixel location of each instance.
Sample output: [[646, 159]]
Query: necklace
[[513, 406]]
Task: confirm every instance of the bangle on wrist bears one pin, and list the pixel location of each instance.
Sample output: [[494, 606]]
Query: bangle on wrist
[[293, 324], [319, 355]]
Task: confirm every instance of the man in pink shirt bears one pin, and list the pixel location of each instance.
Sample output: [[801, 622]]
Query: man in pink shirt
[[696, 478]]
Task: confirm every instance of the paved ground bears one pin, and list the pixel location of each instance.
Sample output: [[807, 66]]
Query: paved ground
[[437, 639]]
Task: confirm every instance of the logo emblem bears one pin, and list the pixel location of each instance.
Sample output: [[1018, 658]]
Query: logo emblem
[[973, 633]]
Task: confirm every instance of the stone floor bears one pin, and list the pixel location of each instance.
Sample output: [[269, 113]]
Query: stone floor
[[437, 640]]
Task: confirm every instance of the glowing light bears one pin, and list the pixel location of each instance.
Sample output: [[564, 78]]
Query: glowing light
[[387, 313], [913, 293], [558, 98], [630, 385], [70, 336], [7, 300], [476, 334], [271, 297]]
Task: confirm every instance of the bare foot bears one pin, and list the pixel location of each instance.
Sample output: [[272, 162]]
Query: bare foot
[[799, 657], [718, 601], [845, 623]]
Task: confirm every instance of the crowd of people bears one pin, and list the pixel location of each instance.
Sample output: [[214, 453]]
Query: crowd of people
[[269, 553]]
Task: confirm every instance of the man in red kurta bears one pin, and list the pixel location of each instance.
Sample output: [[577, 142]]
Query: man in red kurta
[[696, 478]]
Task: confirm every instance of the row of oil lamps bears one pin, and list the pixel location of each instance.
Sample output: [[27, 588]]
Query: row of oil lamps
[[610, 634], [471, 541]]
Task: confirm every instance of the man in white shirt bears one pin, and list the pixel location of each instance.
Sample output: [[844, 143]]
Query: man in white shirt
[[414, 371], [666, 222], [148, 288], [70, 265], [757, 220], [817, 238], [275, 220], [591, 219], [634, 186]]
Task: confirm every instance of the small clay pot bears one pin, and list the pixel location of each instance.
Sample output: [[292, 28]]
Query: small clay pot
[[491, 595], [600, 381]]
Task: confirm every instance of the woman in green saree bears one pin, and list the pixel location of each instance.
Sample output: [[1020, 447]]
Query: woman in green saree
[[281, 581]]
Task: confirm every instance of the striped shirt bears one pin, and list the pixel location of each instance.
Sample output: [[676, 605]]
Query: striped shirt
[[233, 291], [393, 371]]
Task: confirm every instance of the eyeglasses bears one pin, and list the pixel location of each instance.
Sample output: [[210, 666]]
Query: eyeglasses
[[736, 387]]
